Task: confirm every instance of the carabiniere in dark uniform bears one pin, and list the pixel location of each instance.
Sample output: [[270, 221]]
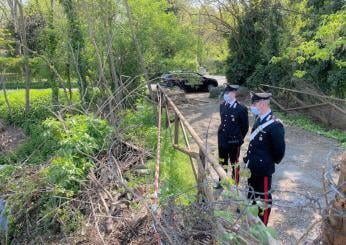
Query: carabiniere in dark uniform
[[266, 148], [232, 130]]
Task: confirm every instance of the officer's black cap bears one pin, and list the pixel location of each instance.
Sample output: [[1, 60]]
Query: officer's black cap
[[260, 96], [231, 87]]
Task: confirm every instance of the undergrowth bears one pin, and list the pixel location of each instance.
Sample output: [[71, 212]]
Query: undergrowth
[[37, 148], [39, 194]]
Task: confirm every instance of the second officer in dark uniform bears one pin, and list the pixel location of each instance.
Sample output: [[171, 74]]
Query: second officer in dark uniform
[[266, 148], [232, 130]]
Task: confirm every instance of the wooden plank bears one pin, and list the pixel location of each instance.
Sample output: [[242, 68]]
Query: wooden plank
[[176, 129], [198, 100], [306, 107], [274, 101], [303, 104], [333, 105], [194, 167], [169, 122], [302, 92], [186, 151], [337, 108]]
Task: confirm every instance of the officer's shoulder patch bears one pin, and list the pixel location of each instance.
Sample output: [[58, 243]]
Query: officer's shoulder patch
[[279, 120]]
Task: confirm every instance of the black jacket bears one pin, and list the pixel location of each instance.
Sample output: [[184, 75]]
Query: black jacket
[[234, 124], [267, 148]]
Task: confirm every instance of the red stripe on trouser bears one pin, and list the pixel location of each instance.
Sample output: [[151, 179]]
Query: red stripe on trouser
[[265, 217]]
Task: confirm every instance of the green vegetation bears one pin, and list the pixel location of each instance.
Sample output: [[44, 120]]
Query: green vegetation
[[74, 140], [62, 149], [176, 175], [42, 147]]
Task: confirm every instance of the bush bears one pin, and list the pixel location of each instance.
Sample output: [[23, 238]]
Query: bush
[[40, 105], [34, 85], [37, 148], [44, 191], [216, 92], [77, 138]]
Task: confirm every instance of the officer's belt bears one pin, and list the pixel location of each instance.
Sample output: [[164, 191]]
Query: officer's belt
[[260, 128]]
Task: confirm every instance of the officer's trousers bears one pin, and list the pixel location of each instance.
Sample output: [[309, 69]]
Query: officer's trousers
[[259, 189], [231, 153]]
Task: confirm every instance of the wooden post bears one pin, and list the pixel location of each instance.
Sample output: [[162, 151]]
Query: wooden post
[[176, 129], [167, 112], [204, 190], [186, 139]]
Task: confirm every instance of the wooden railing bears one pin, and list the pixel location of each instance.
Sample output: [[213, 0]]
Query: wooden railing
[[202, 157], [326, 109], [324, 100]]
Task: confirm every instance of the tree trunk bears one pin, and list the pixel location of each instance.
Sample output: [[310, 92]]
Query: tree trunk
[[77, 47], [68, 74], [136, 43], [139, 53], [334, 225], [51, 52], [2, 82], [24, 45], [115, 85]]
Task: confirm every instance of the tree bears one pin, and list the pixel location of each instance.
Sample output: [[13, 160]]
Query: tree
[[50, 45], [17, 6], [254, 39], [77, 45]]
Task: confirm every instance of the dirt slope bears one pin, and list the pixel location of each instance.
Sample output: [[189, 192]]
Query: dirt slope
[[10, 138]]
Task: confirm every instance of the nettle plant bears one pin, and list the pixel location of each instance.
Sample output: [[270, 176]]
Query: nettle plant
[[79, 137]]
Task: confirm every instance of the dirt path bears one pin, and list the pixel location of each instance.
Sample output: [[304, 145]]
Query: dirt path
[[299, 172], [10, 138]]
